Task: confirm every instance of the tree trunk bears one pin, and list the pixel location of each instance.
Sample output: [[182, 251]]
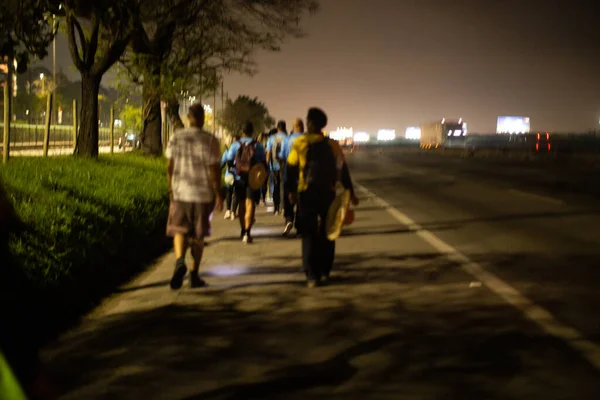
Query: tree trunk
[[151, 125], [87, 139], [173, 112]]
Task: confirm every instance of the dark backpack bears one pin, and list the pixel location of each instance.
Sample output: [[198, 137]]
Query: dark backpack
[[277, 148], [320, 171], [245, 158]]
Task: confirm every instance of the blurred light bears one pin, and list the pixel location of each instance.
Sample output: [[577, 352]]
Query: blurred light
[[361, 137], [118, 123], [42, 75], [443, 120], [386, 135], [514, 125], [413, 132], [207, 108], [27, 112], [460, 121], [342, 133]]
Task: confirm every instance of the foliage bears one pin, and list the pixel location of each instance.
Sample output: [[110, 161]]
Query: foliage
[[25, 30], [243, 109], [190, 43], [131, 115], [90, 224]]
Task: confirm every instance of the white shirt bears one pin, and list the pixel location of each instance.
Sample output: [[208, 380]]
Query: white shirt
[[193, 152]]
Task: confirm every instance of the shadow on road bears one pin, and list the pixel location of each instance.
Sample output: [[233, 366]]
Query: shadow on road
[[382, 330]]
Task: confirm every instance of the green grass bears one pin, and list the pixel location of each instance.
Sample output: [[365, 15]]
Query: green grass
[[90, 224]]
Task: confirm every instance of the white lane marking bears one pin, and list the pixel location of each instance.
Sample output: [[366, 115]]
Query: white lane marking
[[540, 316], [536, 196]]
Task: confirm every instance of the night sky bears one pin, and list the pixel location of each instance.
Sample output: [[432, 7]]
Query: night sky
[[374, 64]]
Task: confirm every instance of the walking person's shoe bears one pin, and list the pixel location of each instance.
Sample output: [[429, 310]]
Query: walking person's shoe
[[312, 283], [196, 281], [178, 274], [247, 239], [233, 216], [325, 280], [288, 228], [227, 214]]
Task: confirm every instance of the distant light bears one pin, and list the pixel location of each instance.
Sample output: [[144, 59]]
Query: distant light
[[513, 125], [41, 76], [27, 112], [443, 120], [386, 135], [413, 132], [361, 137], [118, 123], [460, 121], [342, 133], [207, 108]]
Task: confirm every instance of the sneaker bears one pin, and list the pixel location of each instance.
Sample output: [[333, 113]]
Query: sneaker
[[178, 275], [288, 228], [227, 214], [247, 239], [312, 284], [196, 281], [232, 216]]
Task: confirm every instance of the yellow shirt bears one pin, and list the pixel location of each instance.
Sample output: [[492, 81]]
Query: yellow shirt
[[298, 152]]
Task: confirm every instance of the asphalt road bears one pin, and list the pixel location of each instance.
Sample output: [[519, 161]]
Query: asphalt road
[[534, 225]]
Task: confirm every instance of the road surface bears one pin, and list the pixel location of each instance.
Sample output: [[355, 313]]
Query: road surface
[[412, 312]]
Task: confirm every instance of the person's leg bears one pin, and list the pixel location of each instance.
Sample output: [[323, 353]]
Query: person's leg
[[197, 249], [326, 247], [180, 245], [234, 205], [179, 225], [309, 217], [250, 208], [240, 193], [229, 198], [276, 191]]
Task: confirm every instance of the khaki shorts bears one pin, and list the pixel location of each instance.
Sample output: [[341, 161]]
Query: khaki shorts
[[190, 219]]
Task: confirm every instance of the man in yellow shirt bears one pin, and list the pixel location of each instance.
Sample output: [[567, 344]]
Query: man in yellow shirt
[[315, 165]]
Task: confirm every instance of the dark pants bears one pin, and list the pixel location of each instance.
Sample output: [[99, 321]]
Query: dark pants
[[317, 251], [276, 188], [231, 200], [289, 210]]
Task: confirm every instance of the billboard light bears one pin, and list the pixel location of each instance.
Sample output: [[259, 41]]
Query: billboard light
[[413, 133], [386, 135], [513, 125], [361, 137]]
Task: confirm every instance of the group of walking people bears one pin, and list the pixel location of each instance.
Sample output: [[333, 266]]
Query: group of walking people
[[272, 149], [303, 167]]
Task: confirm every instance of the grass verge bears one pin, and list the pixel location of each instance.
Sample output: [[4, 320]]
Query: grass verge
[[89, 226]]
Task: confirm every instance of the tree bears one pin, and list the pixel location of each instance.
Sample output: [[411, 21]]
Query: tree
[[25, 31], [93, 51], [183, 46], [242, 110]]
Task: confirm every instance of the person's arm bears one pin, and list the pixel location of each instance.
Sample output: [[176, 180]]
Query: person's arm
[[214, 174], [170, 164], [269, 148], [293, 173], [170, 168]]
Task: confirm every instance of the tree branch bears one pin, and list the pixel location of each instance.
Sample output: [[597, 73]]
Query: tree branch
[[93, 44], [77, 60]]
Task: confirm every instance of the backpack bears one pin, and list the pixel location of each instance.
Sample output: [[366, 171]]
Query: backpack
[[277, 148], [320, 171], [245, 158]]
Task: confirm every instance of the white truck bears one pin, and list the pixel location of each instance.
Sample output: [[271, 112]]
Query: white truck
[[444, 133]]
